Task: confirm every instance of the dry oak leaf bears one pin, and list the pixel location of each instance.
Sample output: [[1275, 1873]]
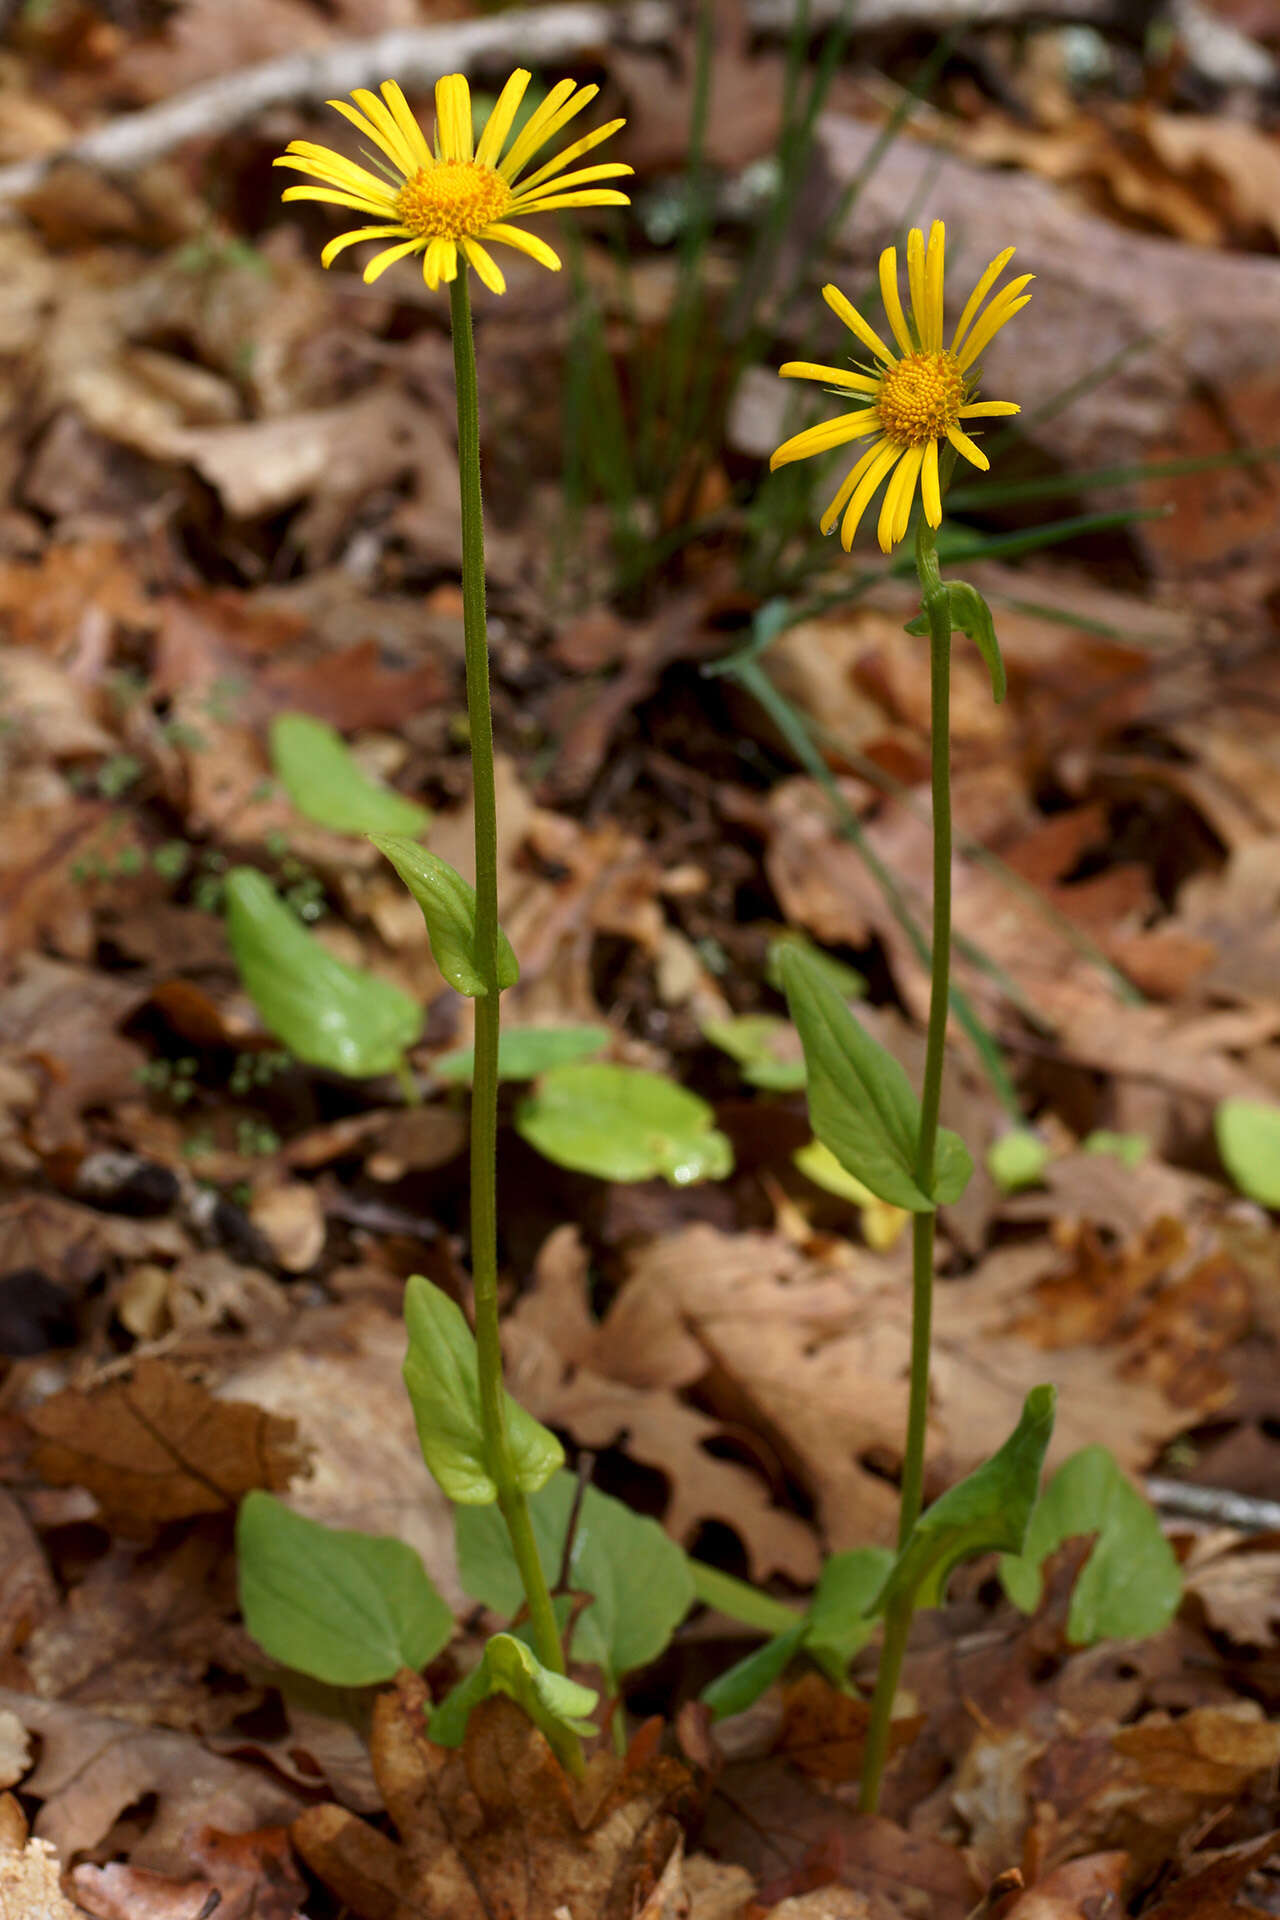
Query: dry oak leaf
[[1084, 1889], [253, 1875], [1211, 1752], [495, 1827], [1211, 1893], [1237, 1581], [92, 1767], [29, 1874], [157, 1447]]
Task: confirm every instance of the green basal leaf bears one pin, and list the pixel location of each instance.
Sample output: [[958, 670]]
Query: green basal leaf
[[861, 1104], [971, 615], [325, 1012], [638, 1578], [326, 782], [623, 1123], [1130, 1585], [525, 1052], [1130, 1149], [442, 1376], [841, 1619], [741, 1685], [448, 905], [348, 1608], [1017, 1159], [1248, 1134], [554, 1703], [766, 1049], [988, 1512], [847, 981]]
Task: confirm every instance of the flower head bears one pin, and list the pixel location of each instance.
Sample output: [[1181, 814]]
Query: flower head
[[463, 193], [913, 400]]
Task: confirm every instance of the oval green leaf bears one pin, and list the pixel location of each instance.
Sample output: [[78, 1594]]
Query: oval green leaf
[[442, 1376], [1248, 1134], [1130, 1586], [348, 1608], [325, 1012], [448, 905], [525, 1052], [623, 1123], [766, 1048], [326, 782]]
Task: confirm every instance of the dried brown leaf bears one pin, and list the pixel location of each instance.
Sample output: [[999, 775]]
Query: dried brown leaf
[[158, 1447]]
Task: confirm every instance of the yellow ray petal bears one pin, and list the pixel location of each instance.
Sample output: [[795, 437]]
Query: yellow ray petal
[[388, 257], [335, 171], [986, 409], [820, 439], [407, 122], [533, 135], [969, 448], [904, 475], [485, 264], [345, 240], [453, 117], [930, 492], [498, 125], [607, 170], [377, 123], [990, 276], [864, 490], [1000, 310], [440, 262], [574, 152], [591, 197], [915, 278], [332, 198], [846, 311], [893, 300], [848, 484], [832, 376], [524, 243], [909, 468], [933, 278]]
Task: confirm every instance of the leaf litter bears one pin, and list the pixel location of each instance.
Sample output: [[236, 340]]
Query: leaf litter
[[228, 496]]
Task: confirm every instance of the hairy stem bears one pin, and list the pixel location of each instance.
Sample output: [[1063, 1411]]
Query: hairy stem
[[484, 1093], [898, 1619]]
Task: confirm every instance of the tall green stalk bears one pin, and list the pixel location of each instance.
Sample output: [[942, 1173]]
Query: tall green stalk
[[897, 1626], [484, 1094]]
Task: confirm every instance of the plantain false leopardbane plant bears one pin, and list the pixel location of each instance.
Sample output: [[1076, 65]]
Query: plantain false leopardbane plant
[[350, 1608]]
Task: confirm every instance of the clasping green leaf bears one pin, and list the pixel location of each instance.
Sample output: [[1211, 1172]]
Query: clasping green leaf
[[555, 1704], [987, 1512], [448, 905], [861, 1104], [327, 1013], [1130, 1585], [972, 616], [442, 1376]]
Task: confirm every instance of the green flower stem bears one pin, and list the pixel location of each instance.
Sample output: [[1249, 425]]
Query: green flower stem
[[897, 1626], [484, 1090]]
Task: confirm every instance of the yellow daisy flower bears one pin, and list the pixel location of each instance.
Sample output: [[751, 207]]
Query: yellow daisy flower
[[912, 401], [464, 193]]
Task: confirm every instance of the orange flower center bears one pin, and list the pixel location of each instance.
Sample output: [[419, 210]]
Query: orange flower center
[[452, 200], [920, 398]]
